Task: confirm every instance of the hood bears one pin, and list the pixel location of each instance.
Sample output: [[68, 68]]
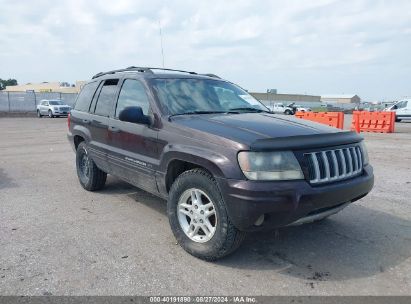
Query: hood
[[248, 128]]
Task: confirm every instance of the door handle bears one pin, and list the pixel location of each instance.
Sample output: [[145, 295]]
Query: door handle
[[86, 121], [114, 129]]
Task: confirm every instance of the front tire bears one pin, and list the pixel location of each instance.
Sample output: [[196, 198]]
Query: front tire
[[50, 114], [288, 112], [198, 217], [90, 176], [39, 114]]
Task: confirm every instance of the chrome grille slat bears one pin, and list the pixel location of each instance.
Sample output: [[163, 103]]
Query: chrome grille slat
[[325, 166], [336, 167], [355, 156], [349, 161], [316, 168], [359, 156]]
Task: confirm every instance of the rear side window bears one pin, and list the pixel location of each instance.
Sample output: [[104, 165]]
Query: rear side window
[[132, 94], [85, 97], [106, 97]]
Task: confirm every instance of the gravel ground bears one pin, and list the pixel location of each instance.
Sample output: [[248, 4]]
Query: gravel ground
[[56, 238]]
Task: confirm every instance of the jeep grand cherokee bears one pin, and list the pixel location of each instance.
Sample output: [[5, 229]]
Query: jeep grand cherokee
[[224, 163]]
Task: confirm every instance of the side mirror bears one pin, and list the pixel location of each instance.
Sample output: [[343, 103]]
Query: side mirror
[[394, 107], [134, 115]]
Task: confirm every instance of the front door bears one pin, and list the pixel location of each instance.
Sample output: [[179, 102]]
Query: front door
[[133, 154]]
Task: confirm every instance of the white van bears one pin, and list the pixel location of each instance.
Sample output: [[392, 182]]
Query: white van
[[402, 110]]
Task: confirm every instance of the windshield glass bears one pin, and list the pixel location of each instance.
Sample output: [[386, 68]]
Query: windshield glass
[[55, 102], [178, 96]]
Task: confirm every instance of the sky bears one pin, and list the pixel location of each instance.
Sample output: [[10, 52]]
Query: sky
[[310, 47]]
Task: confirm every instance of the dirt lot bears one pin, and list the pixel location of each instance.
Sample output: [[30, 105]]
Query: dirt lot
[[56, 238]]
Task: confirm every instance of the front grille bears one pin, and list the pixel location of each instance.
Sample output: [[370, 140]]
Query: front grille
[[64, 109], [334, 165]]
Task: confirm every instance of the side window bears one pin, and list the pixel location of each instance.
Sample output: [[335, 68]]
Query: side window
[[85, 97], [106, 97], [132, 94]]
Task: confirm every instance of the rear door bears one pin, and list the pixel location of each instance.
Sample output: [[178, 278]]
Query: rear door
[[98, 121], [134, 153]]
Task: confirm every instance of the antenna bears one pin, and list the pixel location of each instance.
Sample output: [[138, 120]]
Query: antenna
[[161, 42]]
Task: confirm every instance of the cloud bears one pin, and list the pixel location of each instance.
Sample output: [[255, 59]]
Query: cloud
[[295, 46]]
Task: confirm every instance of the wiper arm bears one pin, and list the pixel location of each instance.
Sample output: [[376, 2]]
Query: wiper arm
[[197, 112], [250, 109]]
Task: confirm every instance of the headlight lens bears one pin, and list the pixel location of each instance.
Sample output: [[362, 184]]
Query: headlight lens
[[270, 165], [364, 153], [55, 108]]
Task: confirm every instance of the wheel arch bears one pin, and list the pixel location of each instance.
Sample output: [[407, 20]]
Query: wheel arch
[[175, 163]]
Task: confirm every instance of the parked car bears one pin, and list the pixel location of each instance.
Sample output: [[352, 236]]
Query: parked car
[[52, 108], [281, 108], [402, 110], [300, 108], [224, 163]]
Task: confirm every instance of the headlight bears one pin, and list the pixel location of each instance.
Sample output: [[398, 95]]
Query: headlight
[[270, 165], [364, 153], [56, 108]]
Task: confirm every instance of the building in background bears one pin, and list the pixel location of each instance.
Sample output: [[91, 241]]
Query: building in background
[[47, 87], [271, 97], [344, 98]]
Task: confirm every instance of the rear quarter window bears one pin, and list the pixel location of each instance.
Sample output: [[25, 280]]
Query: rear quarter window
[[85, 97]]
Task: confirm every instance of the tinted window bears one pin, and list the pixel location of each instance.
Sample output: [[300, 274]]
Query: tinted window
[[106, 97], [132, 94], [401, 104], [85, 96]]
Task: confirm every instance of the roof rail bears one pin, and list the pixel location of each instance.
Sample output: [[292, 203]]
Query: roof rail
[[141, 70], [211, 75], [131, 68]]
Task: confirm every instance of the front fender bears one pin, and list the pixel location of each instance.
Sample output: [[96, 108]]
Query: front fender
[[208, 159], [218, 164]]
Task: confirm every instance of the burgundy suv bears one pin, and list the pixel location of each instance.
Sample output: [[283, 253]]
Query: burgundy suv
[[223, 161]]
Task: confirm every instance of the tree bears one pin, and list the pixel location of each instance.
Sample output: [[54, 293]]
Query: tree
[[8, 82]]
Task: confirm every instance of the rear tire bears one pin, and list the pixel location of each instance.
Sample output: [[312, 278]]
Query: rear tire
[[397, 120], [90, 176], [207, 244]]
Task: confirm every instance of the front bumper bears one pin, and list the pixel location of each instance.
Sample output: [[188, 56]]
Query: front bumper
[[61, 113], [285, 202]]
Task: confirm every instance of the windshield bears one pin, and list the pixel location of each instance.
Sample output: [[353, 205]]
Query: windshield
[[55, 103], [179, 96]]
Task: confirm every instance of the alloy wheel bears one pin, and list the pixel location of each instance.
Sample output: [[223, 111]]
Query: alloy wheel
[[197, 215]]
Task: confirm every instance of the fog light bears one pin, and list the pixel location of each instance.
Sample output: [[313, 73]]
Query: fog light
[[259, 221]]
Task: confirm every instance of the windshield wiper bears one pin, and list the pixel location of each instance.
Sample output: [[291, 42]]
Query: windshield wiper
[[198, 112], [249, 109]]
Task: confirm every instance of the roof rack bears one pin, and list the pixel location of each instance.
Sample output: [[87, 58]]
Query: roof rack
[[211, 75], [141, 70]]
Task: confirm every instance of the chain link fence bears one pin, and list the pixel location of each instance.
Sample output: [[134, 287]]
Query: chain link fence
[[28, 101]]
